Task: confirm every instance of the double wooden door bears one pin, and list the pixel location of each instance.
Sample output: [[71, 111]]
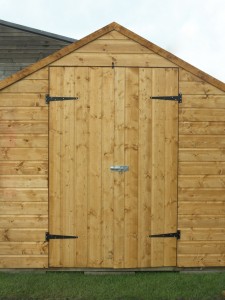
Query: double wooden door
[[114, 122]]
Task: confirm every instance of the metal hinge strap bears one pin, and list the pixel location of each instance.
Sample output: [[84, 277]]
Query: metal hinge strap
[[48, 98], [173, 98], [49, 236], [167, 235]]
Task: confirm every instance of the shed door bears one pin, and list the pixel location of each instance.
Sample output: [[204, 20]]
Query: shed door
[[114, 123]]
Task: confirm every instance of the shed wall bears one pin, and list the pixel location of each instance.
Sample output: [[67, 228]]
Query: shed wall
[[24, 159]]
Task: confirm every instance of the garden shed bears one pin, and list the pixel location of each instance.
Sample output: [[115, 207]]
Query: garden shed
[[112, 155]]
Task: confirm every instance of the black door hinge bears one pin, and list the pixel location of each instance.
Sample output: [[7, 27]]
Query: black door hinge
[[173, 98], [48, 98], [167, 235], [49, 236]]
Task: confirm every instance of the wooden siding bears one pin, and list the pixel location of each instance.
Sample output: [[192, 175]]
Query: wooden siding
[[20, 48], [23, 173], [201, 165], [201, 176]]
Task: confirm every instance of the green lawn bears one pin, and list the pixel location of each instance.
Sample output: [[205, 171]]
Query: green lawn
[[119, 287]]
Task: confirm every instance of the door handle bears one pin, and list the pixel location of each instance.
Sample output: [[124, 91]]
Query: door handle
[[119, 168]]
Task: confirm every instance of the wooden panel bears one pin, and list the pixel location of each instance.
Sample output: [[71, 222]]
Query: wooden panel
[[113, 46], [164, 168], [202, 141], [113, 35], [23, 261], [23, 154], [81, 165], [24, 140], [203, 101], [41, 74], [201, 168], [196, 247], [23, 167], [201, 208], [99, 59], [26, 221], [204, 260], [55, 167], [28, 86], [131, 160], [23, 181], [95, 169], [193, 87], [208, 155], [144, 167], [18, 100], [119, 179], [25, 113], [24, 127], [201, 194], [201, 114], [23, 248], [204, 234], [22, 235], [189, 221], [202, 128], [200, 181], [187, 76], [108, 113], [23, 208]]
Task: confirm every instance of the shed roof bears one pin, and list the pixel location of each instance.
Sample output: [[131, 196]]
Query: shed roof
[[112, 26], [36, 31]]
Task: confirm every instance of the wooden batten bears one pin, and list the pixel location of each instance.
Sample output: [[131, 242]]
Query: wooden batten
[[54, 158]]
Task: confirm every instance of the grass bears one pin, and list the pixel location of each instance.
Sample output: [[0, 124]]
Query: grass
[[157, 286]]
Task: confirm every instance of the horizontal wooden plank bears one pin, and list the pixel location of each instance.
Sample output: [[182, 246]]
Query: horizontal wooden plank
[[27, 86], [201, 194], [209, 155], [201, 114], [203, 101], [23, 248], [201, 208], [24, 127], [24, 221], [25, 113], [201, 128], [203, 260], [22, 235], [23, 261], [196, 87], [23, 181], [201, 168], [23, 154], [200, 181], [113, 46], [187, 76], [24, 194], [100, 59], [190, 222], [19, 100], [23, 208], [202, 247], [201, 141], [24, 140], [113, 35], [41, 74], [23, 167]]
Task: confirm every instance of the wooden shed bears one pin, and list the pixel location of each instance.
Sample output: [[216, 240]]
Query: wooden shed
[[112, 156]]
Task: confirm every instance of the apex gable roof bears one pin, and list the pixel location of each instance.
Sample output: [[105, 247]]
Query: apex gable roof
[[113, 26]]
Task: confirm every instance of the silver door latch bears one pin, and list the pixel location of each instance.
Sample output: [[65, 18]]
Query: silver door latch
[[119, 168]]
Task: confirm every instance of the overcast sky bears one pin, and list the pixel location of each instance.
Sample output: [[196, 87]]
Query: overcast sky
[[194, 30]]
